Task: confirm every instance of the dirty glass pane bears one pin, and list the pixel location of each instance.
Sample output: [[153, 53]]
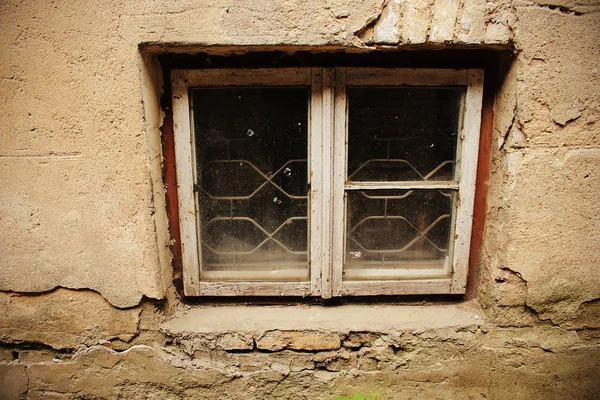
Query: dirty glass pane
[[402, 133], [392, 230], [251, 157]]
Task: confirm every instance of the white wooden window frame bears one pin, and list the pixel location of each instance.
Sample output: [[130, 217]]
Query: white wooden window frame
[[327, 162]]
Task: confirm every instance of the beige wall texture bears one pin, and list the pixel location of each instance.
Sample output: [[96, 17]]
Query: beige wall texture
[[87, 305]]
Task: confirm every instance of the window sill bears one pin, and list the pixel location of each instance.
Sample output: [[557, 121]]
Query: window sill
[[314, 328]]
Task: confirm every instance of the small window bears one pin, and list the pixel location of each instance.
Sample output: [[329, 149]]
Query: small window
[[326, 181]]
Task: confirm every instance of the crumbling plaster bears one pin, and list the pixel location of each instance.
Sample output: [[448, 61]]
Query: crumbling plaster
[[85, 234], [439, 353], [546, 169], [81, 207], [95, 225]]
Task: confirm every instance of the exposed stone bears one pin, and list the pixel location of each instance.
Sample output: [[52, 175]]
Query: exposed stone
[[444, 19], [366, 364], [359, 339], [552, 339], [13, 381], [471, 24], [299, 363], [514, 316], [340, 362], [92, 372], [415, 21], [8, 354], [386, 29], [281, 368], [482, 360], [252, 362], [497, 34], [516, 138], [36, 356], [560, 340], [235, 341], [587, 317], [298, 340], [510, 290]]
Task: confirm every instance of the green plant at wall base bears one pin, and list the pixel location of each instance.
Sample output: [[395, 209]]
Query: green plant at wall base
[[359, 396]]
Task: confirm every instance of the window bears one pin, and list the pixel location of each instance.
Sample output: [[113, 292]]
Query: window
[[326, 181]]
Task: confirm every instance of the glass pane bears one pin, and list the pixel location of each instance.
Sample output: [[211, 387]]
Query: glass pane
[[402, 133], [397, 233], [251, 155]]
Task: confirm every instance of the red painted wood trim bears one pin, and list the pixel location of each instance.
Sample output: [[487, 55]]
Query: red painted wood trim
[[481, 182], [169, 172]]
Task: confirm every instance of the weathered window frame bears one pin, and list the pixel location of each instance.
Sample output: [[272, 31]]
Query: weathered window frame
[[327, 169]]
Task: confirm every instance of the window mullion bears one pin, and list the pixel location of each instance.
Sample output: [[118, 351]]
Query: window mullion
[[326, 167], [315, 173], [339, 178]]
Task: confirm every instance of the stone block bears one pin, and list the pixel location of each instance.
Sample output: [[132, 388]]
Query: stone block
[[13, 381], [471, 25], [509, 290], [8, 354], [336, 360], [415, 21], [386, 29], [252, 362], [587, 316], [558, 340], [298, 340], [444, 19], [36, 356], [358, 339], [235, 341], [497, 33]]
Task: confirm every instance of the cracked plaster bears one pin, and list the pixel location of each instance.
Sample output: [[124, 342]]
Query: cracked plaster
[[83, 204]]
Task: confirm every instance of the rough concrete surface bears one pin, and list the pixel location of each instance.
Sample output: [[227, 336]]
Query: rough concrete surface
[[87, 305], [379, 318]]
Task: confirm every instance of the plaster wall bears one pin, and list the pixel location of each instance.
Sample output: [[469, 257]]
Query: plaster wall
[[87, 305]]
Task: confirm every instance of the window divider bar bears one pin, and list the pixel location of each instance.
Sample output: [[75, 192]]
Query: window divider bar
[[315, 173], [468, 171], [403, 185], [339, 177], [327, 178]]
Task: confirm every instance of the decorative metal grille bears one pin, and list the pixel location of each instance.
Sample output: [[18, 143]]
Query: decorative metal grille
[[400, 134], [251, 154], [391, 229]]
